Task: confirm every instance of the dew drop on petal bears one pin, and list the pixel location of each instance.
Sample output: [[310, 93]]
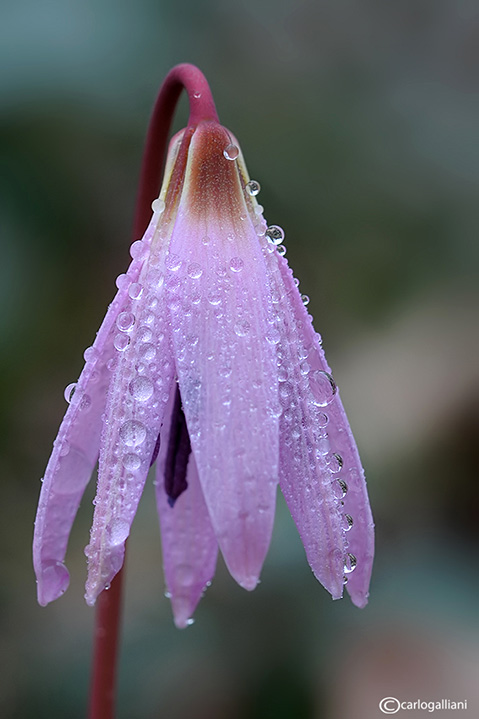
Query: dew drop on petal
[[131, 461], [135, 290], [132, 433], [323, 388], [137, 249], [350, 563], [275, 234], [69, 391], [281, 250], [121, 342], [158, 205], [340, 488], [119, 531], [305, 300], [347, 522], [125, 321], [173, 262], [335, 462], [273, 336], [253, 187], [90, 354], [259, 210], [236, 264], [148, 352], [141, 388], [231, 152], [121, 280], [322, 419], [242, 329], [144, 334], [194, 271]]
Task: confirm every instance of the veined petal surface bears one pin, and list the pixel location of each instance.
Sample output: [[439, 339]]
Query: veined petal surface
[[140, 387], [188, 541], [221, 317], [76, 448], [320, 471]]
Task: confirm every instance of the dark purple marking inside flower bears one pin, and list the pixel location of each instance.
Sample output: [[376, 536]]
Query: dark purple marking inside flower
[[179, 449], [155, 451]]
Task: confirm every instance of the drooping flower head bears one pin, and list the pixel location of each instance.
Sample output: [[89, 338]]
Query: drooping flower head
[[207, 364]]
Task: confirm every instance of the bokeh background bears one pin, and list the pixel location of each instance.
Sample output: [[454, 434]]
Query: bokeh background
[[360, 121]]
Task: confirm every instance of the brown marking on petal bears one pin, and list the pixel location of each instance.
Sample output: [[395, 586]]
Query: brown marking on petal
[[177, 178], [213, 184]]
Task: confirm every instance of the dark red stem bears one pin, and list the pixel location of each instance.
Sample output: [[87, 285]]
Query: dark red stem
[[202, 108], [105, 651]]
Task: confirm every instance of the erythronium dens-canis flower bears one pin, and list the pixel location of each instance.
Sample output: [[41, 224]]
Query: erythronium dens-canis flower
[[207, 365]]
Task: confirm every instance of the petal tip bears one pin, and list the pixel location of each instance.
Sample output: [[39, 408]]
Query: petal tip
[[183, 608]]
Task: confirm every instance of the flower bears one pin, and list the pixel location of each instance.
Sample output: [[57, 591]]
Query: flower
[[208, 363]]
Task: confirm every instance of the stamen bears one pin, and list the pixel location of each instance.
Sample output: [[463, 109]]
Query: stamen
[[179, 449]]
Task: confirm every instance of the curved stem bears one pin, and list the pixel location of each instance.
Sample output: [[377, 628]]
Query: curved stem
[[202, 108], [105, 651]]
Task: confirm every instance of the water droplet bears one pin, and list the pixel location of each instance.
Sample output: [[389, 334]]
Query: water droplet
[[335, 462], [231, 152], [64, 449], [69, 391], [323, 388], [132, 433], [121, 280], [305, 300], [347, 522], [125, 321], [258, 210], [158, 205], [275, 296], [253, 187], [121, 342], [340, 488], [281, 250], [296, 281], [144, 334], [273, 336], [147, 352], [137, 249], [322, 419], [90, 354], [132, 462], [173, 262], [214, 298], [236, 264], [135, 290], [242, 329], [350, 563], [275, 234], [197, 95], [194, 271], [206, 240], [283, 374], [141, 388]]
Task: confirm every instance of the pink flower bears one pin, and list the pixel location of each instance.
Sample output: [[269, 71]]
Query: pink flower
[[207, 360]]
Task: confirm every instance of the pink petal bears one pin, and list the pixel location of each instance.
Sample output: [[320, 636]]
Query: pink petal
[[189, 544], [136, 402], [319, 458], [220, 315], [76, 450]]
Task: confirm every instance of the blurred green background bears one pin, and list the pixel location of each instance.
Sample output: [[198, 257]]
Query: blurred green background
[[360, 121]]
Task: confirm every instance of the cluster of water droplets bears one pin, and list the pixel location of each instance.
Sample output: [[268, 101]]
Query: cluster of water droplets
[[299, 382]]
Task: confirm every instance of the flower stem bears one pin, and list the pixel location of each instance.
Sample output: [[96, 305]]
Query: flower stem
[[105, 651], [202, 108]]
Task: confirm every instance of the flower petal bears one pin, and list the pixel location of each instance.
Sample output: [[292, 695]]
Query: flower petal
[[76, 450], [188, 541], [136, 401], [220, 315], [319, 458]]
